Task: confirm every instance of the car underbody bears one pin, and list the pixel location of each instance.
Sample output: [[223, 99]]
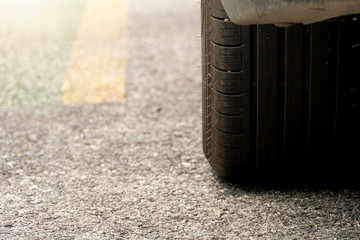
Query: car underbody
[[287, 12]]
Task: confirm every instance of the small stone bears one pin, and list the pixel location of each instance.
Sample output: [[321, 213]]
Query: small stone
[[186, 164]]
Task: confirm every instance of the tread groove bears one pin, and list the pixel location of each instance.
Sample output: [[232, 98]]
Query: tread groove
[[228, 46]]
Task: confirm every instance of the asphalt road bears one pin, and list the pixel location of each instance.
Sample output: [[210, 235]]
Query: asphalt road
[[135, 169]]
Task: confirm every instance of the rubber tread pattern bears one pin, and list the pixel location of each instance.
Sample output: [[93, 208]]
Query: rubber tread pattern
[[229, 34], [230, 58], [228, 82], [227, 123], [227, 104], [216, 9]]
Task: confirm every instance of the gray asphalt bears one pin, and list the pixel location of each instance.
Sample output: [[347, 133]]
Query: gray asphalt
[[135, 170]]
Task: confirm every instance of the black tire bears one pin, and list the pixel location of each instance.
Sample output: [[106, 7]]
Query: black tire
[[278, 98]]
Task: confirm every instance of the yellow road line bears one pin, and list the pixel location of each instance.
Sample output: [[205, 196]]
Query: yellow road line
[[96, 71]]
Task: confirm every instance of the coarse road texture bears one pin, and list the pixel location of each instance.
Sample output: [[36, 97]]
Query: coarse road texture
[[135, 170]]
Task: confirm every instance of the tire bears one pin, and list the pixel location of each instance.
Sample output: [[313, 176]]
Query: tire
[[277, 99]]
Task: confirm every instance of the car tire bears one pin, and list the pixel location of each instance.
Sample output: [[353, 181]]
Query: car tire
[[277, 98]]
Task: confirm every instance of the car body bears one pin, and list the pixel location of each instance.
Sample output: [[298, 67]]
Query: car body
[[287, 12]]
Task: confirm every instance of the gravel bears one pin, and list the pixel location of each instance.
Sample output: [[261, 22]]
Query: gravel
[[136, 170]]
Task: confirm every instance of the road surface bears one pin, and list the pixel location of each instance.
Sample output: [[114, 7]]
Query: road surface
[[131, 167]]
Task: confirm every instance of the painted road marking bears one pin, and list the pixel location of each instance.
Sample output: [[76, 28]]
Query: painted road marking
[[96, 71]]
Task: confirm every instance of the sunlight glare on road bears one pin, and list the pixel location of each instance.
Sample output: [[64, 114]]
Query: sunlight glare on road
[[54, 51], [35, 45], [21, 3], [24, 10]]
